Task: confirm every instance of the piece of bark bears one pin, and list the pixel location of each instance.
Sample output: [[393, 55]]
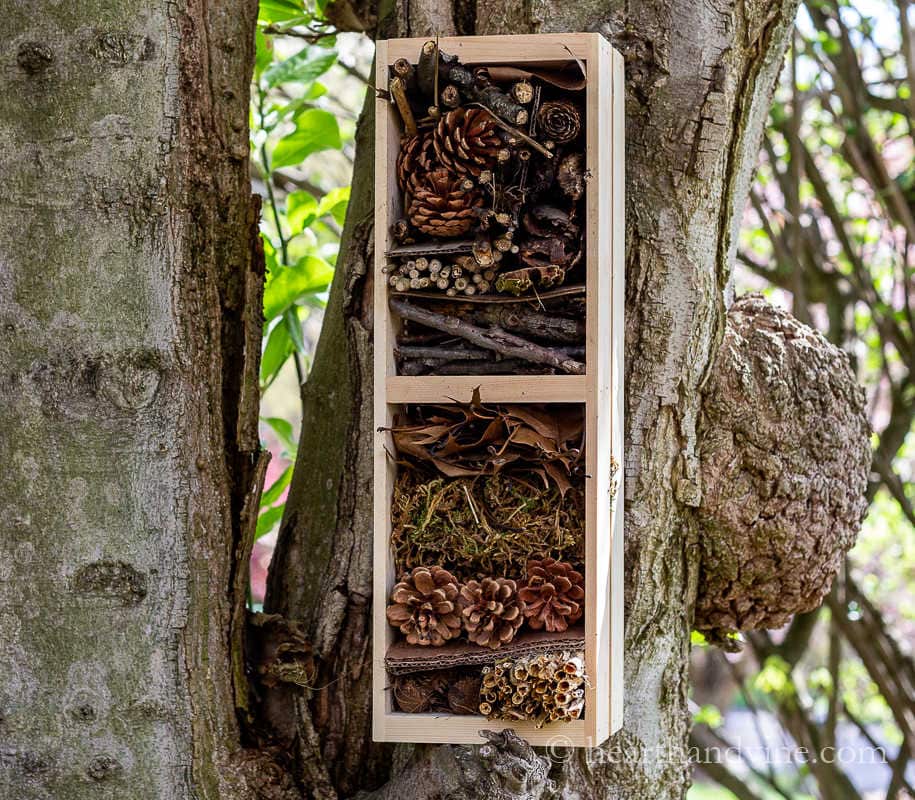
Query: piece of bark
[[519, 318], [492, 339], [460, 353], [431, 248], [505, 366]]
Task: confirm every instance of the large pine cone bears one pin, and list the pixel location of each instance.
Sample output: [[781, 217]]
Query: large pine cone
[[416, 155], [424, 606], [553, 595], [491, 611], [466, 141], [440, 203]]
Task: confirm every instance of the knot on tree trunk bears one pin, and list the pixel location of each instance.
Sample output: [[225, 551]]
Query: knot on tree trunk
[[785, 455]]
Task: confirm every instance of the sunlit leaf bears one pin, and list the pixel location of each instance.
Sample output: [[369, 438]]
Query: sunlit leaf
[[268, 519], [334, 203], [316, 130], [304, 67], [285, 285], [278, 348], [283, 429], [273, 11], [301, 210], [271, 495]]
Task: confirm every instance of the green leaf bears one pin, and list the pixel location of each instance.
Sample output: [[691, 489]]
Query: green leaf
[[271, 495], [316, 130], [271, 11], [291, 321], [283, 429], [304, 67], [268, 519], [285, 285], [301, 210], [278, 348], [263, 48], [708, 715], [334, 203]]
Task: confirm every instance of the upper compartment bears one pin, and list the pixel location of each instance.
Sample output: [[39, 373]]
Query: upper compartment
[[488, 212]]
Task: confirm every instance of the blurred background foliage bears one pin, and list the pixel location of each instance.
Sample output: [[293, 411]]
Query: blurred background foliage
[[824, 708]]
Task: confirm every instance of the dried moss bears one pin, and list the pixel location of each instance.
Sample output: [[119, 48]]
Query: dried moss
[[484, 526]]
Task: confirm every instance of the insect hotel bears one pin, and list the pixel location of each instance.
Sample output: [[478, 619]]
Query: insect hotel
[[498, 329]]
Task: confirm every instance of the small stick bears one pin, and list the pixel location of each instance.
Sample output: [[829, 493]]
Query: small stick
[[435, 75], [403, 69], [398, 92], [524, 137]]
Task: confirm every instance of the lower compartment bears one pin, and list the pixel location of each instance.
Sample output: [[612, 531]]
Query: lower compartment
[[484, 615]]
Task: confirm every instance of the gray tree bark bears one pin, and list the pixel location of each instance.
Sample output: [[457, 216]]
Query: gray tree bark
[[699, 82], [129, 298]]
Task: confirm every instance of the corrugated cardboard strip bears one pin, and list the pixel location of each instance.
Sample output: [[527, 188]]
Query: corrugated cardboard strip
[[403, 658]]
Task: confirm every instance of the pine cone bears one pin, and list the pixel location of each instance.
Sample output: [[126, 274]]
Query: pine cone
[[559, 120], [416, 155], [491, 611], [466, 141], [440, 204], [553, 595], [424, 606]]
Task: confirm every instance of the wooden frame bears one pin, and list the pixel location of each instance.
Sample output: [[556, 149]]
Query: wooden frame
[[600, 390]]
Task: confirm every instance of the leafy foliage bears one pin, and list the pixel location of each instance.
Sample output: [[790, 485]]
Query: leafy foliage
[[294, 117]]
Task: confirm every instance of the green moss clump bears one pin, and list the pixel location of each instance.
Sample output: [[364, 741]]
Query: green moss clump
[[488, 525]]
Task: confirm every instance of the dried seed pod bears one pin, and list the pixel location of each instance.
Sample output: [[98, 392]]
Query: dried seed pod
[[570, 175], [439, 206], [414, 695], [400, 231], [424, 606], [466, 141], [559, 120], [523, 92], [553, 595], [450, 96], [464, 695]]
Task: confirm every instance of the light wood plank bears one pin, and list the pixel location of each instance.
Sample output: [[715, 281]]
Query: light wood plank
[[457, 729], [528, 48], [493, 388], [618, 390]]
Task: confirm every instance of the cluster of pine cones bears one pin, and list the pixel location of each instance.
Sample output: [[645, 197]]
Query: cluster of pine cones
[[548, 687], [430, 607]]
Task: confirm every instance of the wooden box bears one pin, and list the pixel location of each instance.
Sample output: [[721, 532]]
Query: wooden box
[[600, 389]]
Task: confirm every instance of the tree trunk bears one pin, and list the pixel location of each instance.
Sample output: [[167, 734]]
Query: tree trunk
[[130, 303], [699, 81]]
